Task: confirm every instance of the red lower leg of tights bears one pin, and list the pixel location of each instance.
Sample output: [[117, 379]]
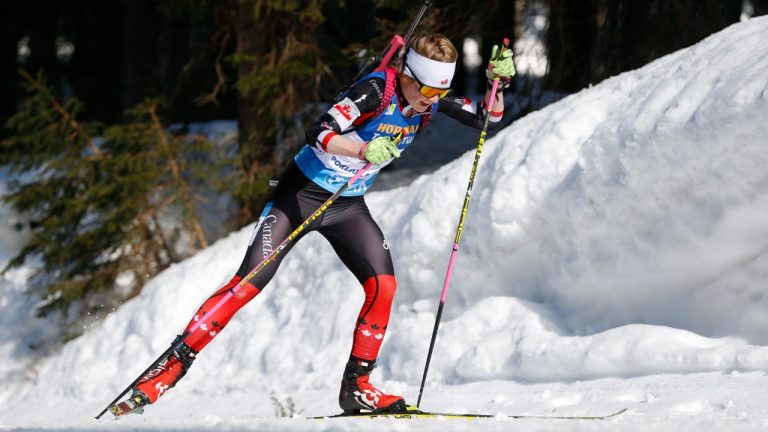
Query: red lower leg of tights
[[215, 322], [374, 316], [369, 332], [169, 371]]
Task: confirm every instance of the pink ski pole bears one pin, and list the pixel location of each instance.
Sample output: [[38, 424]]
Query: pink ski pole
[[459, 229]]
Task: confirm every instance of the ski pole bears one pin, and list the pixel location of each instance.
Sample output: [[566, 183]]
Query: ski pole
[[146, 371], [266, 261], [425, 4], [398, 42], [460, 228]]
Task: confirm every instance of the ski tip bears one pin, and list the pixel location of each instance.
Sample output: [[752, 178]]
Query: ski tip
[[619, 412], [588, 417]]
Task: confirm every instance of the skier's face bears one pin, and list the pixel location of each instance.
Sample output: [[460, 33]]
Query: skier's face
[[418, 101]]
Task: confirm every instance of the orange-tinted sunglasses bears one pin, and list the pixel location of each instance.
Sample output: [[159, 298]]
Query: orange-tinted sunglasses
[[430, 92]]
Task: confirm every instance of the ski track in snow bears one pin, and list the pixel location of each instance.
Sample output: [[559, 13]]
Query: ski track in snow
[[693, 402], [614, 256]]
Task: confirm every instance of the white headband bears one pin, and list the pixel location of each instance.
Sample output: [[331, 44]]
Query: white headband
[[430, 72]]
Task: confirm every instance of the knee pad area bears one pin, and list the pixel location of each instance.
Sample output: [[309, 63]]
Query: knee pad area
[[380, 288], [374, 316]]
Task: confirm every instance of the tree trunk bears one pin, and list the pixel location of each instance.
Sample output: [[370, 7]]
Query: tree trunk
[[257, 147], [96, 67], [12, 14], [760, 7], [139, 51], [571, 41]]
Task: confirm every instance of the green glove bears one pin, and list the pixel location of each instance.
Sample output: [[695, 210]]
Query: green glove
[[379, 150], [501, 66]]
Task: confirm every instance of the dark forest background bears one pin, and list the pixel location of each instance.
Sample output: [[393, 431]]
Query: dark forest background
[[90, 89]]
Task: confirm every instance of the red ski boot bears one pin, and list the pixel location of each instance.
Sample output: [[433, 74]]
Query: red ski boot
[[358, 394], [152, 385], [167, 373]]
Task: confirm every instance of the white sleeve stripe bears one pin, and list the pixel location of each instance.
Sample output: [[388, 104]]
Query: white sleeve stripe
[[322, 137]]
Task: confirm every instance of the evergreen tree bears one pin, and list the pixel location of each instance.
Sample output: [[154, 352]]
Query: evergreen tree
[[100, 197], [280, 66]]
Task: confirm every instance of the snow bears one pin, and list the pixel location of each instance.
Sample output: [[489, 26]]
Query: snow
[[615, 256]]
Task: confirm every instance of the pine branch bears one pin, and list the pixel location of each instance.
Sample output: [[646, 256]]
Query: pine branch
[[181, 184], [38, 86], [222, 81]]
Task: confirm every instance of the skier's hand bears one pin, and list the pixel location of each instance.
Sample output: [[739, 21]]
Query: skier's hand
[[379, 150], [501, 66]]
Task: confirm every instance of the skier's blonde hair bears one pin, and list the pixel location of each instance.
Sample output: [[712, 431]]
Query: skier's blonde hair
[[435, 46]]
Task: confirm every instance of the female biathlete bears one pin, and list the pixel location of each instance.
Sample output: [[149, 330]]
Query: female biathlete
[[360, 128]]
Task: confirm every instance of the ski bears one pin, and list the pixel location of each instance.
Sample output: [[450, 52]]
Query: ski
[[414, 413]]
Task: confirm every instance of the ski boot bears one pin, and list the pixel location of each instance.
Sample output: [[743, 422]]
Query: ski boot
[[157, 381], [358, 394]]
